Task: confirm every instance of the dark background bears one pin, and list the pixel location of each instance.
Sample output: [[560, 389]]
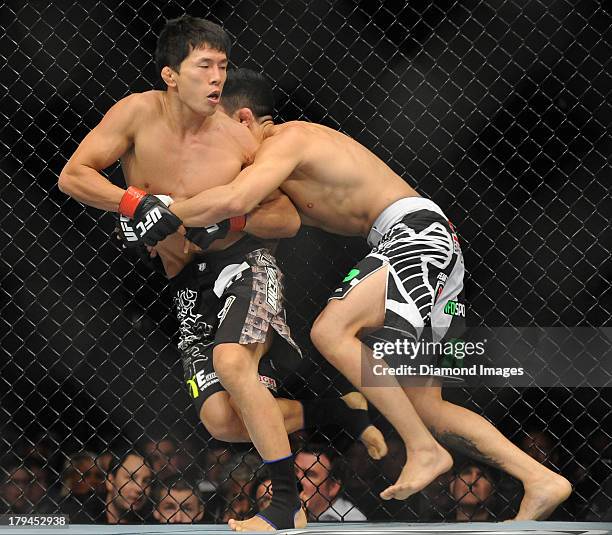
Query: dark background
[[499, 111]]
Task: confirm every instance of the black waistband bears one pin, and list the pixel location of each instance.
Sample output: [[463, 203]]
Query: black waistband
[[217, 260]]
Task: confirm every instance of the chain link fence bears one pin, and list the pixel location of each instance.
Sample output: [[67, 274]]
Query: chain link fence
[[498, 110]]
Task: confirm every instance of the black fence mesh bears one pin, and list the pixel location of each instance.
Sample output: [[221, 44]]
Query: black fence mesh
[[498, 110]]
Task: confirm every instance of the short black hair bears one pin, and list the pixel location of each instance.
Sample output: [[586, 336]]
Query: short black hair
[[487, 472], [176, 482], [182, 35], [337, 469], [118, 460], [245, 88]]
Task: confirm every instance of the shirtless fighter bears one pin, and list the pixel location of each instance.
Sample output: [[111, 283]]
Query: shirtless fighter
[[340, 186], [172, 144]]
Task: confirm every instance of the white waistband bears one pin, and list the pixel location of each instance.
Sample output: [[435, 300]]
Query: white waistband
[[396, 211]]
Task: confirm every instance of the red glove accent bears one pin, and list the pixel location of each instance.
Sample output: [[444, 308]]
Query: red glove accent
[[237, 223], [130, 201]]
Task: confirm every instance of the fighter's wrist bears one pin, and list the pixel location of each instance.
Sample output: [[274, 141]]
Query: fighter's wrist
[[237, 223], [130, 201]]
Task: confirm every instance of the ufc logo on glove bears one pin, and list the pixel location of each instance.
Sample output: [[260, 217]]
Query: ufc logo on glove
[[152, 217], [126, 228]]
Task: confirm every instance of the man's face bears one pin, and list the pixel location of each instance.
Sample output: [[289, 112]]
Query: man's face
[[15, 490], [24, 489], [179, 507], [129, 487], [471, 488], [200, 79], [88, 478], [161, 456], [539, 446], [318, 489]]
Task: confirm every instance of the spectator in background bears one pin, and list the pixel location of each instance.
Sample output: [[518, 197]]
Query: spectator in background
[[177, 501], [24, 489], [45, 445], [434, 502], [103, 460], [473, 491], [320, 476], [541, 446], [162, 456], [362, 477], [261, 491], [387, 471], [235, 490], [83, 489], [216, 462], [127, 489]]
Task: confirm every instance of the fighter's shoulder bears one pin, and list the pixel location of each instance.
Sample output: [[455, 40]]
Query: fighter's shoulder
[[292, 133], [137, 107], [236, 131]]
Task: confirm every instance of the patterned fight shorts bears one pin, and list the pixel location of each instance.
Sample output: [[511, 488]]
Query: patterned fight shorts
[[230, 296]]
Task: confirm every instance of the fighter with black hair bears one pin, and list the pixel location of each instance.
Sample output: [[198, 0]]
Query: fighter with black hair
[[404, 287]]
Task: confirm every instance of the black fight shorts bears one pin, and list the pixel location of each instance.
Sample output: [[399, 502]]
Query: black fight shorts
[[231, 296]]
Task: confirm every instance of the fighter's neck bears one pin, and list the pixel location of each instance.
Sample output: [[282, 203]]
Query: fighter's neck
[[182, 119]]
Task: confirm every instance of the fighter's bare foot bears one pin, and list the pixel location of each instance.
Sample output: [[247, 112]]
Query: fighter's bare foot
[[419, 471], [543, 496], [257, 523], [371, 437]]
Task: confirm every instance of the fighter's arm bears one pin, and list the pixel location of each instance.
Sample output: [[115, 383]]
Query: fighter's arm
[[103, 146], [277, 157], [275, 217]]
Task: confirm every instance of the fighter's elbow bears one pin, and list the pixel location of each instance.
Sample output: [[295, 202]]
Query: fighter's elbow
[[66, 181], [238, 205], [292, 225]]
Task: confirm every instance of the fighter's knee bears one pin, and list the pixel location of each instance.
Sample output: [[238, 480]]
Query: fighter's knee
[[321, 333], [326, 335], [228, 365]]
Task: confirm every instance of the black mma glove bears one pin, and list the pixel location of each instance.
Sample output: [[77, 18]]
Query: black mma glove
[[204, 236], [151, 218], [126, 234], [133, 246]]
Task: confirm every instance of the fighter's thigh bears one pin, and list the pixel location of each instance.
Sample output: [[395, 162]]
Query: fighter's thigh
[[363, 306], [425, 397]]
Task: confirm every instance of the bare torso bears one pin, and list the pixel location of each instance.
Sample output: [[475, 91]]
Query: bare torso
[[164, 161], [340, 186]]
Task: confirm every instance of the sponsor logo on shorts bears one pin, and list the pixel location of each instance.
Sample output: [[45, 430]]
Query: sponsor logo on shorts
[[200, 381], [272, 288], [456, 246], [223, 312], [454, 308], [268, 382], [351, 275], [440, 285]]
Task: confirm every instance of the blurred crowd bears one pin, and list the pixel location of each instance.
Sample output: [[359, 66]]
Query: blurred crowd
[[167, 482]]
